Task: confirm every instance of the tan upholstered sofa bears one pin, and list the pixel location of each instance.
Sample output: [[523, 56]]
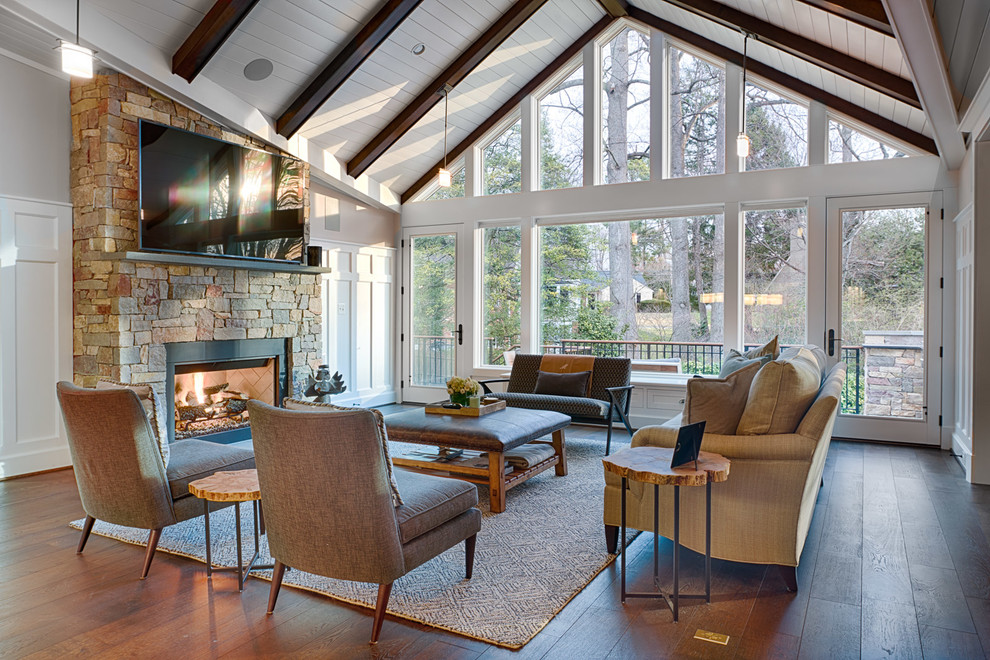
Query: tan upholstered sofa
[[761, 515]]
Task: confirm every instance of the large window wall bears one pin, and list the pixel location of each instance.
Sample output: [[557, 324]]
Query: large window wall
[[694, 254]]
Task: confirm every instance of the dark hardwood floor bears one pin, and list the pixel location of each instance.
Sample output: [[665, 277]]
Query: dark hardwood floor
[[897, 565]]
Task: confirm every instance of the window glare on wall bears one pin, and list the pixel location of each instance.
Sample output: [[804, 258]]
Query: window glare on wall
[[502, 162], [561, 136], [847, 145], [626, 107]]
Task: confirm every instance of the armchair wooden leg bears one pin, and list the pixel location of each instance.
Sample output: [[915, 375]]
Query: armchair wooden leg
[[384, 591], [789, 573], [608, 437], [611, 538], [277, 572], [469, 544], [87, 528], [153, 538]]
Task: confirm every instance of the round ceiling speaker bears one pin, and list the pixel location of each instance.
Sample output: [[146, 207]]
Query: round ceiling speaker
[[258, 69]]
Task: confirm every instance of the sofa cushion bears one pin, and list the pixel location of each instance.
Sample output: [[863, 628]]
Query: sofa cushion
[[573, 384], [771, 348], [575, 406], [429, 502], [735, 361], [194, 459], [309, 406], [152, 407], [719, 401], [780, 394]]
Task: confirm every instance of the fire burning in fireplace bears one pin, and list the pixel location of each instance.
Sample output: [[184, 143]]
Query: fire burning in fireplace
[[212, 400]]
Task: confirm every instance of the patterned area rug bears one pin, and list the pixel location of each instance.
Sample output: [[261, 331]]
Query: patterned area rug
[[530, 560]]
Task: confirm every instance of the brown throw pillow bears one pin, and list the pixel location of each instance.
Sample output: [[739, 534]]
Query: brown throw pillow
[[771, 348], [297, 404], [781, 394], [719, 401], [575, 384], [152, 407]]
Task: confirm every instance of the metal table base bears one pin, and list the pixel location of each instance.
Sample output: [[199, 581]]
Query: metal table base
[[672, 599], [242, 570]]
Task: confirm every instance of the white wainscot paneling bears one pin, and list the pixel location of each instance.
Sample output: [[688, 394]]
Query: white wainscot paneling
[[962, 432], [358, 297], [35, 333]]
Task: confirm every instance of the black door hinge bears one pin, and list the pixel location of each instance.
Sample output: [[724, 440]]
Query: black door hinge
[[402, 336], [941, 282], [940, 351], [402, 290], [402, 384], [403, 242], [940, 420], [942, 214]]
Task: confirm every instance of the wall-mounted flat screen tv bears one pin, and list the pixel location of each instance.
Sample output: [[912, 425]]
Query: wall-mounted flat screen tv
[[205, 196]]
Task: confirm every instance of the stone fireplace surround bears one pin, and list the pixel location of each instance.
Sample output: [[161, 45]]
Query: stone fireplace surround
[[127, 306]]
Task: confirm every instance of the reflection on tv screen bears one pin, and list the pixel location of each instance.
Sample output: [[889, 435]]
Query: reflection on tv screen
[[207, 196]]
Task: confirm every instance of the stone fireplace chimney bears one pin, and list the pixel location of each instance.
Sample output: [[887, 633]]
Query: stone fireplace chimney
[[127, 305]]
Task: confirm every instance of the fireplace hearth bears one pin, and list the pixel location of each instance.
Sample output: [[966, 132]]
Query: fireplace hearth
[[211, 382]]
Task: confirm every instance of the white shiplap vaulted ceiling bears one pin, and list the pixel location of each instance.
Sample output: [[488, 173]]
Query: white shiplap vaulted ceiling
[[300, 37]]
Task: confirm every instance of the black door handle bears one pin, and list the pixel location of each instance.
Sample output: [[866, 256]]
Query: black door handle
[[832, 339], [460, 334]]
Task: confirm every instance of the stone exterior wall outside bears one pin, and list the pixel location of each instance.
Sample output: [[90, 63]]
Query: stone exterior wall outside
[[895, 374], [126, 311]]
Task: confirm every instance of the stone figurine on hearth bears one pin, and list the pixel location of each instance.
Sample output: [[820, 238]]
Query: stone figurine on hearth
[[323, 385]]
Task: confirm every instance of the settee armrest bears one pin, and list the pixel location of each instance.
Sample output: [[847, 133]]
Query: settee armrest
[[484, 383]]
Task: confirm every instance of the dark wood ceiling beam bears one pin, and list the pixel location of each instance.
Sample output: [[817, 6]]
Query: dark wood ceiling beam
[[809, 50], [207, 37], [343, 66], [807, 90], [868, 13], [510, 106], [615, 8], [465, 63]]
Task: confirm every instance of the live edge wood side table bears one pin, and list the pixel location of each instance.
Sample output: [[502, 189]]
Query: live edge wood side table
[[651, 465], [232, 486]]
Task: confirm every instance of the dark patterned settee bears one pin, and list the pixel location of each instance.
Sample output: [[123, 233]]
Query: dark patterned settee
[[608, 399]]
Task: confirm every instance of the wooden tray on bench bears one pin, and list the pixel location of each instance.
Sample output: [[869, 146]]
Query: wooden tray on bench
[[437, 409]]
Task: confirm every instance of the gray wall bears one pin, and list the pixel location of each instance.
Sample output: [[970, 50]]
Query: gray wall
[[35, 133]]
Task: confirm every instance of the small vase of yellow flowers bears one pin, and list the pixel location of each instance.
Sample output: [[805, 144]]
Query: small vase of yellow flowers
[[462, 389]]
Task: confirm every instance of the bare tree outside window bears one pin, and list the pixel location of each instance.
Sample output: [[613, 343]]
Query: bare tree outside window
[[562, 134], [776, 282], [847, 145], [456, 188], [697, 115], [502, 162], [777, 128]]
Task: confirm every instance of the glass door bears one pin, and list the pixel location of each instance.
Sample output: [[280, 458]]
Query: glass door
[[434, 335], [883, 306]]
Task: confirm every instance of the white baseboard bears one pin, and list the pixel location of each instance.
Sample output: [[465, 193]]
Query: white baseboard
[[37, 461], [961, 449]]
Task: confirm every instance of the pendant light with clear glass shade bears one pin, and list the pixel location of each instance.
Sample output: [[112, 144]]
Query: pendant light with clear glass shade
[[76, 60]]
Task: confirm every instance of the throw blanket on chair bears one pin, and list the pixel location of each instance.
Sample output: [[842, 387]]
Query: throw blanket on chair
[[568, 364]]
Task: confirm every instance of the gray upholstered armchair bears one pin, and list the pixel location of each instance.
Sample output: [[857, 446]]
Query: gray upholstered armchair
[[119, 469], [330, 508]]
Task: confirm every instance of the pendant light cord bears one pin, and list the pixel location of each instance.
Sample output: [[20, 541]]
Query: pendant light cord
[[77, 22], [446, 94], [745, 48]]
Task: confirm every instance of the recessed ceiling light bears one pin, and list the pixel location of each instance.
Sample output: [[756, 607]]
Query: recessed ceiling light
[[258, 69], [419, 49]]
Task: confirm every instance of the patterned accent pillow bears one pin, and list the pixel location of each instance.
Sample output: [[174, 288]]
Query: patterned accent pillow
[[152, 407], [298, 404]]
